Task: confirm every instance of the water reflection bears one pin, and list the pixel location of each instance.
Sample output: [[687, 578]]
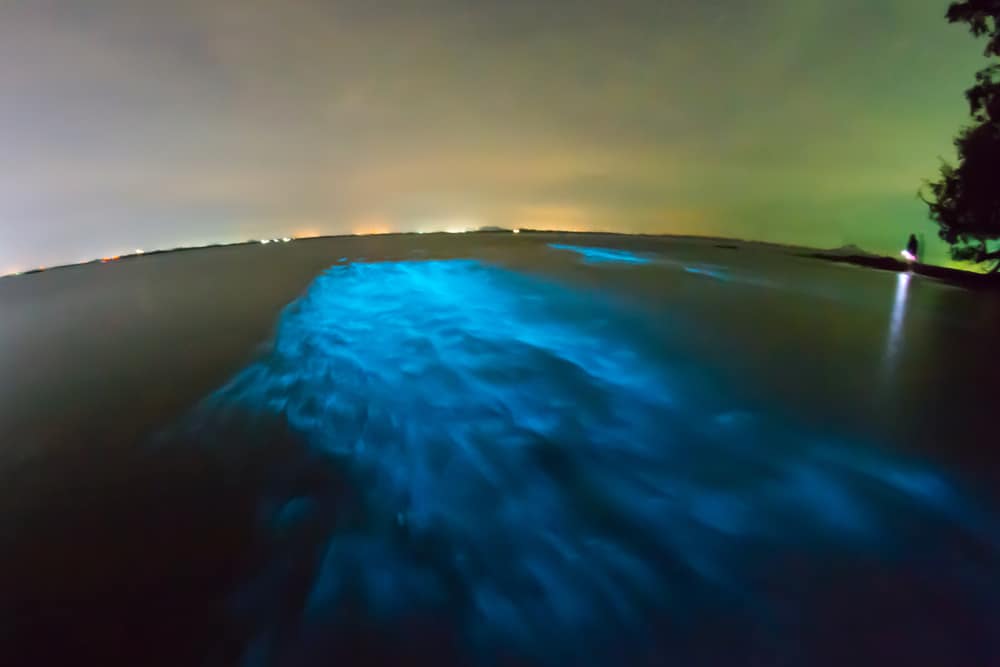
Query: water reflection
[[894, 341]]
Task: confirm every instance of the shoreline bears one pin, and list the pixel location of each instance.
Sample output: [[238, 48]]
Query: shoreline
[[957, 277]]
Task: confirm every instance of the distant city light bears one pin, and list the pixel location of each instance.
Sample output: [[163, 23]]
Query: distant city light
[[285, 240], [909, 256], [517, 231], [265, 241]]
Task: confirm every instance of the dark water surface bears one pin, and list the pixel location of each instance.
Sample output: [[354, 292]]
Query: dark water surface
[[499, 450]]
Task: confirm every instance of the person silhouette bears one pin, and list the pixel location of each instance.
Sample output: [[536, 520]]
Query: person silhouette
[[912, 252]]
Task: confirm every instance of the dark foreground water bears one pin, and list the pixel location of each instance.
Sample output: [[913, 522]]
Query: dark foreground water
[[491, 450]]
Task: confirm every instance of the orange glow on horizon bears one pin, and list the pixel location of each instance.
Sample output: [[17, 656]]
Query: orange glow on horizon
[[371, 224]]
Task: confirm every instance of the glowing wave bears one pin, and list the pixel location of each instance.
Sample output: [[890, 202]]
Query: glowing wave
[[489, 468], [602, 255]]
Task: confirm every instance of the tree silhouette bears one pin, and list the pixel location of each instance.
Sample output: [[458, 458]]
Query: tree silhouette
[[965, 200]]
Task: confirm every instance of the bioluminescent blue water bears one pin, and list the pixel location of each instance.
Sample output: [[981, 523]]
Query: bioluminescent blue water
[[710, 272], [483, 467], [602, 255], [595, 255]]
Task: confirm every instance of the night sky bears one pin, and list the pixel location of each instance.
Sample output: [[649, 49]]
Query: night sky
[[136, 124]]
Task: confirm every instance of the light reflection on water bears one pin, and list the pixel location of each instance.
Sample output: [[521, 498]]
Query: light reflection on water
[[895, 338], [503, 459]]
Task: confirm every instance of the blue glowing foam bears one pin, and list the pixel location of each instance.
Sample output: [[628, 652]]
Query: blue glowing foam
[[602, 255], [510, 458]]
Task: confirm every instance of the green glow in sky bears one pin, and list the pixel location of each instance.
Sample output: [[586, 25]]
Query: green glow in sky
[[137, 124]]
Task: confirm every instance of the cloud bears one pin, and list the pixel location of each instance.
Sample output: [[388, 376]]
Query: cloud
[[149, 123]]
